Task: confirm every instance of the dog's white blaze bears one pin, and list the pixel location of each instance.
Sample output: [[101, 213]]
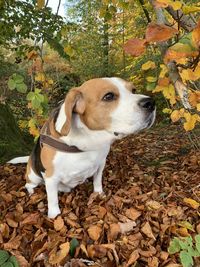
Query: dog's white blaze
[[128, 117]]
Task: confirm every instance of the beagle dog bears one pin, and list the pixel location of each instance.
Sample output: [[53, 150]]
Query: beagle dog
[[76, 139]]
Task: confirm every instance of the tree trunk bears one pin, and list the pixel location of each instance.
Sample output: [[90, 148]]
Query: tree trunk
[[12, 141]]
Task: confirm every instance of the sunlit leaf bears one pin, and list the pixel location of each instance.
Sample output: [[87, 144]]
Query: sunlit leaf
[[190, 9], [148, 65], [167, 110], [175, 115], [135, 47], [151, 79], [191, 202], [159, 32], [196, 35]]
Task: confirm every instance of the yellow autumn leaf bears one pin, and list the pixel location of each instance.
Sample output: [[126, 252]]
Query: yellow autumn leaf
[[175, 115], [158, 89], [198, 107], [69, 50], [40, 77], [167, 110], [40, 3], [164, 70], [190, 121], [148, 65], [191, 202], [151, 79], [176, 5], [190, 9], [188, 74], [169, 93]]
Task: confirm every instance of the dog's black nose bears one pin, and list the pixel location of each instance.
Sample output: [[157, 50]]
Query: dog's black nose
[[147, 103]]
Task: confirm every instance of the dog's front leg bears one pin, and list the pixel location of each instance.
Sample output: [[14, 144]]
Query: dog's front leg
[[97, 179], [52, 197]]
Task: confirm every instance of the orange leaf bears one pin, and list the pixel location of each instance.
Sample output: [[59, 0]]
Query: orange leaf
[[56, 258], [146, 229], [58, 223], [132, 213], [94, 232], [196, 35], [133, 258], [159, 32], [135, 47]]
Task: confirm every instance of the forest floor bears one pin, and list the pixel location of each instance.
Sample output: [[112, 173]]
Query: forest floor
[[151, 183]]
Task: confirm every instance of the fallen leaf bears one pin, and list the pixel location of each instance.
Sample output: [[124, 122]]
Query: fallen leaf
[[127, 227], [96, 251], [146, 229], [191, 202], [58, 223], [132, 213], [56, 258], [133, 258], [94, 232]]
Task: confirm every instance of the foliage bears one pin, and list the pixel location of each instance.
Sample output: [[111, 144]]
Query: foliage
[[6, 260], [186, 249], [177, 74]]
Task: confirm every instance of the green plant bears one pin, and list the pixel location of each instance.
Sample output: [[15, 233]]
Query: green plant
[[187, 249], [6, 260]]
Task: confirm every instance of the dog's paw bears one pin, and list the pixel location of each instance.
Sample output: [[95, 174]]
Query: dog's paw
[[52, 213]]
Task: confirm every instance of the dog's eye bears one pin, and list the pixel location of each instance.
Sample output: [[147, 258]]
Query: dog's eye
[[109, 97], [133, 90]]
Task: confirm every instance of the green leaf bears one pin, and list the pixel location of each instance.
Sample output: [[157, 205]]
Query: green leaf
[[30, 96], [17, 78], [35, 103], [197, 239], [73, 245], [174, 246], [11, 84], [193, 252], [4, 255], [186, 259], [7, 264], [185, 242], [21, 87], [13, 260]]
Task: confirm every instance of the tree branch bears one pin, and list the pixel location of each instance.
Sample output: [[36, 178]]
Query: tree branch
[[145, 11], [185, 21]]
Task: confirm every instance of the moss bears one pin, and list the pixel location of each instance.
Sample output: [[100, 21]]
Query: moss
[[12, 141]]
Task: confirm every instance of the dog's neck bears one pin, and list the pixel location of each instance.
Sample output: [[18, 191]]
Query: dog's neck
[[81, 136]]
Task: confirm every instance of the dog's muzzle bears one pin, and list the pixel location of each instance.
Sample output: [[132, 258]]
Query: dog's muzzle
[[147, 104]]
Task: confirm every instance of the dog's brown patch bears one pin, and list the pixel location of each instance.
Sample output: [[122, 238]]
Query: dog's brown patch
[[47, 156], [97, 112]]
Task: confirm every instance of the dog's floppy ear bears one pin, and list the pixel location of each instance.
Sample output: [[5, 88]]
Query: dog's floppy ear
[[74, 102]]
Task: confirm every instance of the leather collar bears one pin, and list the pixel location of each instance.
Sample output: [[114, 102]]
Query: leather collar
[[57, 144]]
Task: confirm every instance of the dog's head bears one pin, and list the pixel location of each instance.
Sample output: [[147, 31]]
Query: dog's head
[[108, 104]]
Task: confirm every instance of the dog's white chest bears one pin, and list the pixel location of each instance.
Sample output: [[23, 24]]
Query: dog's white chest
[[75, 168]]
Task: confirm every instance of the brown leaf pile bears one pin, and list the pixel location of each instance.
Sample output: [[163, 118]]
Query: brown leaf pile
[[151, 184]]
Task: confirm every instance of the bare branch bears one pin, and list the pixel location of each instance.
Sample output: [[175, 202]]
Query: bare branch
[[185, 21]]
